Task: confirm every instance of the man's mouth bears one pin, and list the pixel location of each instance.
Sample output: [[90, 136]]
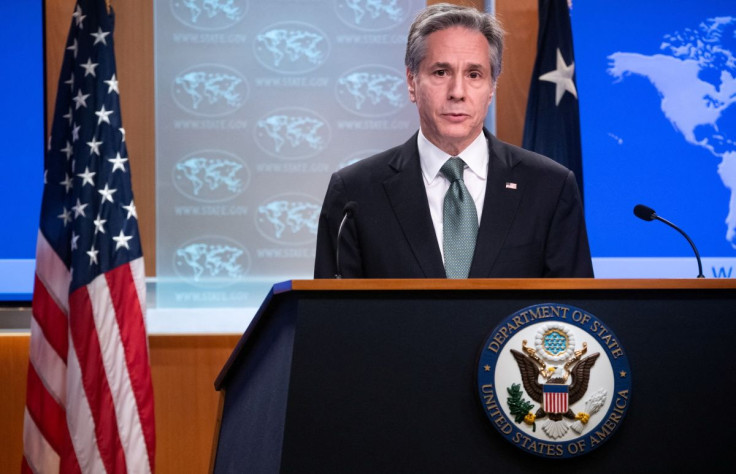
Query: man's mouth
[[455, 116]]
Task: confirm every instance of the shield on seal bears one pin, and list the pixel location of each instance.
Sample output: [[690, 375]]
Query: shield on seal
[[555, 397]]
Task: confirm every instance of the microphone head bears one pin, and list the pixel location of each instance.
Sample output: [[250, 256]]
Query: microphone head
[[643, 212], [350, 208]]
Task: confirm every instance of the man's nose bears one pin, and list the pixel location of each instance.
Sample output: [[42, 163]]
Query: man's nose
[[456, 88]]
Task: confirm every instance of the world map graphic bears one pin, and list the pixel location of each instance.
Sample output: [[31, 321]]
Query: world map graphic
[[695, 76], [656, 88]]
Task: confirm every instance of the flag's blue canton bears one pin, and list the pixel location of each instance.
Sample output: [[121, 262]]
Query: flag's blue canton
[[87, 213], [552, 125]]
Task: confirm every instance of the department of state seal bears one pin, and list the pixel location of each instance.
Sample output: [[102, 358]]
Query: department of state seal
[[554, 380]]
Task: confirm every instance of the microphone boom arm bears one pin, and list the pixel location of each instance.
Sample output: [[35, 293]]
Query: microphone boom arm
[[697, 254]]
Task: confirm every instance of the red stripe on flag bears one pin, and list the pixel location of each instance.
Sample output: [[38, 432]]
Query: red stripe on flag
[[24, 468], [94, 379], [50, 418], [46, 412], [51, 319], [132, 329]]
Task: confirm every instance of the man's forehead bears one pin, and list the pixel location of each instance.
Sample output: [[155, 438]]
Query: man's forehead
[[448, 46]]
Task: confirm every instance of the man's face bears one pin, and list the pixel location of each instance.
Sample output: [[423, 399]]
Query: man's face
[[453, 88]]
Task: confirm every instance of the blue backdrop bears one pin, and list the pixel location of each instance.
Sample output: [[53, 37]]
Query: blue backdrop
[[658, 119], [21, 143]]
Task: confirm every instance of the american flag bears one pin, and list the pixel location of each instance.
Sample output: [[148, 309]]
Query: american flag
[[555, 398], [89, 404], [552, 124]]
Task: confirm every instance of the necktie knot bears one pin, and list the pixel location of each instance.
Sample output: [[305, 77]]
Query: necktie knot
[[453, 169]]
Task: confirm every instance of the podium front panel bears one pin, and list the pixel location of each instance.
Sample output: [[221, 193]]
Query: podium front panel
[[385, 381]]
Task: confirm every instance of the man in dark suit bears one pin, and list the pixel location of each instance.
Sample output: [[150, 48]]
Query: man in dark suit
[[526, 217]]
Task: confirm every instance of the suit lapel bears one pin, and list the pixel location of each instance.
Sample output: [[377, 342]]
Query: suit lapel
[[499, 208], [407, 196]]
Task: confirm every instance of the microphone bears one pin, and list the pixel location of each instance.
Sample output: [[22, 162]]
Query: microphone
[[647, 213], [347, 211]]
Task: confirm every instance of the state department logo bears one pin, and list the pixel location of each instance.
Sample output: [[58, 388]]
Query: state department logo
[[372, 90], [291, 47], [209, 15], [292, 133], [554, 380], [374, 15], [212, 261], [289, 219], [210, 90], [210, 176]]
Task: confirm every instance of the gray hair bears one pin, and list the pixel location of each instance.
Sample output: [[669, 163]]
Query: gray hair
[[444, 15]]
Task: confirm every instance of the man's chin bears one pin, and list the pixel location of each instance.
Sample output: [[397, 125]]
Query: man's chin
[[458, 133]]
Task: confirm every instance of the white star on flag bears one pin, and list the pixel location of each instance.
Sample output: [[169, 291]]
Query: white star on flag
[[122, 240], [79, 209], [104, 115], [92, 255], [118, 163], [113, 84], [100, 36], [99, 225], [107, 193], [70, 81], [74, 48], [89, 68], [67, 183], [75, 132], [80, 100], [69, 116], [87, 176], [562, 77], [67, 150], [94, 146], [78, 17], [131, 210], [66, 216]]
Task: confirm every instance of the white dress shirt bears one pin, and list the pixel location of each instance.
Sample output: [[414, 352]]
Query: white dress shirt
[[475, 176]]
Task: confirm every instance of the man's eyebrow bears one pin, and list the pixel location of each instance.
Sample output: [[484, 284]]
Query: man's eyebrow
[[446, 65], [441, 65]]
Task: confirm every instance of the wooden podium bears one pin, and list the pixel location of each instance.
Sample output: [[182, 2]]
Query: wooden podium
[[378, 376]]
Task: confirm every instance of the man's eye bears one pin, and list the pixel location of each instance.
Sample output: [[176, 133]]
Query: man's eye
[[474, 75], [440, 72]]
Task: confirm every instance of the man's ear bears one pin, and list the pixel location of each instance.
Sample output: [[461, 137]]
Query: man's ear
[[493, 92], [410, 84]]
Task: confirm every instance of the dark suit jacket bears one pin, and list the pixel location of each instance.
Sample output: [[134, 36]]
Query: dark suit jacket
[[533, 229]]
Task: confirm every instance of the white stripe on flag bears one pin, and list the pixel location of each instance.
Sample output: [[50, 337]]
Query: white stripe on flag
[[137, 268], [79, 418], [53, 273], [49, 366], [39, 454], [118, 378]]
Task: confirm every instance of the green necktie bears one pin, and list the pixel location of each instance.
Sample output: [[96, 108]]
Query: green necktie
[[460, 221]]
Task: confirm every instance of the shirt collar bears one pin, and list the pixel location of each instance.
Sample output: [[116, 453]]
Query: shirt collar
[[432, 158]]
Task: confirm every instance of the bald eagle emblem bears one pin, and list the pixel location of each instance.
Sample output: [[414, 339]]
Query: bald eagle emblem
[[553, 380], [556, 376]]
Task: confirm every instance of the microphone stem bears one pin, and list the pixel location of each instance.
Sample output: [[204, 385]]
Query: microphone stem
[[697, 255]]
